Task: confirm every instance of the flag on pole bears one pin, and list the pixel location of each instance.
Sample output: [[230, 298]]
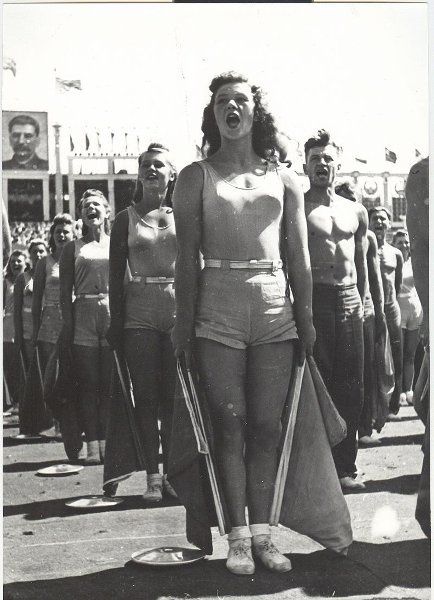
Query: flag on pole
[[86, 137], [417, 153], [71, 143], [10, 65], [361, 160], [65, 85], [390, 156]]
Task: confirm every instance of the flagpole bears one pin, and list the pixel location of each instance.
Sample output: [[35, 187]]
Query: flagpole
[[58, 176]]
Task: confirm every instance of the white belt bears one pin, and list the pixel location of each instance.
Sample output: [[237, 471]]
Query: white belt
[[27, 310], [99, 296], [263, 265], [153, 279]]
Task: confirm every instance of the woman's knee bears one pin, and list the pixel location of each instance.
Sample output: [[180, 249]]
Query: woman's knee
[[230, 432]]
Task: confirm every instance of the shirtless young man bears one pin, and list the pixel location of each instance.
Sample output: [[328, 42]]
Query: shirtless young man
[[337, 243], [391, 262], [374, 326]]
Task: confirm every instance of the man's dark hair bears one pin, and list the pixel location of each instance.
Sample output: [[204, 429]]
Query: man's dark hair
[[322, 138], [264, 130], [24, 120], [380, 208], [399, 233]]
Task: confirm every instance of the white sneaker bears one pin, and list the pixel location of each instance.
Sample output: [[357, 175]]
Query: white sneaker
[[264, 549], [240, 561], [167, 488], [154, 492], [409, 397]]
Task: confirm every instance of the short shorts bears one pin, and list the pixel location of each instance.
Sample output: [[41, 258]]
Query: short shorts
[[150, 306], [91, 321], [241, 308], [411, 312], [51, 324]]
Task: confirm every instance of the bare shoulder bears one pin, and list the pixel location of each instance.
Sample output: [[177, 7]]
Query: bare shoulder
[[290, 179], [187, 196], [191, 174]]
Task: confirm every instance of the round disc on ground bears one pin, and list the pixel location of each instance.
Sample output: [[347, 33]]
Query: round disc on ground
[[94, 502], [167, 556], [55, 470]]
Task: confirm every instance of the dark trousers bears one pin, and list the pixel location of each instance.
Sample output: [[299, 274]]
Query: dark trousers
[[393, 320], [369, 375], [338, 351], [152, 366]]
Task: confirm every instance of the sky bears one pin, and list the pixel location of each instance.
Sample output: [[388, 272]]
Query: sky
[[360, 71]]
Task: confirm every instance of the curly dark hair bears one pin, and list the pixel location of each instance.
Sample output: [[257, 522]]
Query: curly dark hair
[[321, 139], [138, 190], [59, 219], [264, 130]]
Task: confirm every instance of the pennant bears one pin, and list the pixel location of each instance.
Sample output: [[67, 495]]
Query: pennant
[[71, 143], [66, 85], [98, 141], [361, 160], [10, 65], [390, 156], [417, 153], [86, 137]]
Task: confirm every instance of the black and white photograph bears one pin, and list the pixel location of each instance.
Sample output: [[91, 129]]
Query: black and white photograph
[[25, 141], [216, 367]]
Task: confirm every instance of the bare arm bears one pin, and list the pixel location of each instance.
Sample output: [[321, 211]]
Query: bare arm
[[374, 274], [38, 294], [416, 192], [398, 271], [360, 250], [297, 252], [18, 309], [118, 263], [187, 208], [66, 280]]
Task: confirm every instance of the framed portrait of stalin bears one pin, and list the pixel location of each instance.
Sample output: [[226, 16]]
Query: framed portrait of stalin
[[25, 141]]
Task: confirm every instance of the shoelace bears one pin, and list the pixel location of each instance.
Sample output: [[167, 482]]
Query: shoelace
[[268, 546], [241, 550]]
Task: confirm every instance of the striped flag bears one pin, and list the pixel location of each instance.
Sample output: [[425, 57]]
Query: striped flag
[[10, 65], [66, 85], [389, 155]]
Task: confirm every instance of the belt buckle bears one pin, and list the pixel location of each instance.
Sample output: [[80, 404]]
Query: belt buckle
[[253, 261], [101, 296]]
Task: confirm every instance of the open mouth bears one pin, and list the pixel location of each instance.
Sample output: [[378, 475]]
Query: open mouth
[[232, 120], [321, 172], [151, 177]]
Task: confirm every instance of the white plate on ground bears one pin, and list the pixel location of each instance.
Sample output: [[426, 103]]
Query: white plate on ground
[[60, 470], [94, 502], [27, 436], [167, 556]]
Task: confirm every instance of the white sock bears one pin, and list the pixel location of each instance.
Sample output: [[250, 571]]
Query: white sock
[[239, 533], [260, 529]]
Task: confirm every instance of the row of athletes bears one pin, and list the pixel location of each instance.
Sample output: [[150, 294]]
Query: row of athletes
[[263, 277]]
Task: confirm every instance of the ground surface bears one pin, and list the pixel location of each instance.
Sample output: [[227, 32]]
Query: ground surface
[[52, 552]]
